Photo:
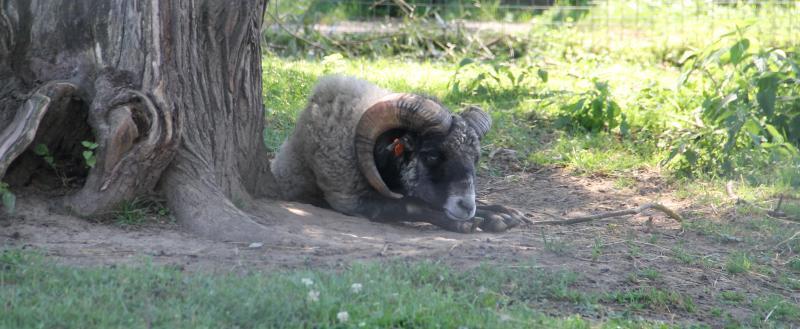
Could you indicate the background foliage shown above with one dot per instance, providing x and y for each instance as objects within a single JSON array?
[{"x": 699, "y": 88}]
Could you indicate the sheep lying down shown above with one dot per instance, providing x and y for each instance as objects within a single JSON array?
[{"x": 369, "y": 152}]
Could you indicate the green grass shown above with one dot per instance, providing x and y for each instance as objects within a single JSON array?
[
  {"x": 680, "y": 254},
  {"x": 794, "y": 264},
  {"x": 649, "y": 273},
  {"x": 37, "y": 293},
  {"x": 530, "y": 115},
  {"x": 653, "y": 298},
  {"x": 519, "y": 119},
  {"x": 138, "y": 212},
  {"x": 777, "y": 308},
  {"x": 738, "y": 263},
  {"x": 732, "y": 296},
  {"x": 532, "y": 111}
]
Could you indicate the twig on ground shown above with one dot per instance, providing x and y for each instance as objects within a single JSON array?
[
  {"x": 770, "y": 313},
  {"x": 774, "y": 213},
  {"x": 796, "y": 234},
  {"x": 569, "y": 221},
  {"x": 732, "y": 194},
  {"x": 384, "y": 250},
  {"x": 777, "y": 212},
  {"x": 737, "y": 200}
]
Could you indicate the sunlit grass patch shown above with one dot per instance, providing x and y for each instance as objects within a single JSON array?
[
  {"x": 653, "y": 298},
  {"x": 774, "y": 309},
  {"x": 38, "y": 293},
  {"x": 596, "y": 153},
  {"x": 732, "y": 296},
  {"x": 738, "y": 263}
]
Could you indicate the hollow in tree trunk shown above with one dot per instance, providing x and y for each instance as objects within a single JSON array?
[{"x": 169, "y": 91}]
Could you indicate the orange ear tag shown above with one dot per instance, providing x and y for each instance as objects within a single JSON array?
[{"x": 398, "y": 147}]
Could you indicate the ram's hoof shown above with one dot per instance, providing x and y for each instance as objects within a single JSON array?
[
  {"x": 500, "y": 218},
  {"x": 476, "y": 223}
]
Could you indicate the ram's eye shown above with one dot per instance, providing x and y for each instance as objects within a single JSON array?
[{"x": 430, "y": 158}]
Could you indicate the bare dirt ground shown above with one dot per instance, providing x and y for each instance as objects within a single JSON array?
[{"x": 606, "y": 253}]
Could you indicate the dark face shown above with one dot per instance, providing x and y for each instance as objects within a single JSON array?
[{"x": 439, "y": 170}]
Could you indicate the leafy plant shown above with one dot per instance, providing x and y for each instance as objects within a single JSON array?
[
  {"x": 750, "y": 114},
  {"x": 8, "y": 198},
  {"x": 493, "y": 79},
  {"x": 139, "y": 211},
  {"x": 42, "y": 151},
  {"x": 595, "y": 110},
  {"x": 88, "y": 154},
  {"x": 738, "y": 262}
]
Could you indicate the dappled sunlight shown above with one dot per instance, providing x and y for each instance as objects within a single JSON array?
[
  {"x": 298, "y": 212},
  {"x": 361, "y": 237}
]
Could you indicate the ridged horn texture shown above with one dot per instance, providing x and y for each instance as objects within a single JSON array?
[
  {"x": 479, "y": 120},
  {"x": 396, "y": 111}
]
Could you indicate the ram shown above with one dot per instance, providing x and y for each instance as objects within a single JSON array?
[{"x": 368, "y": 152}]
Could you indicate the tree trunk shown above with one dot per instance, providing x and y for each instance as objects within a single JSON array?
[{"x": 170, "y": 91}]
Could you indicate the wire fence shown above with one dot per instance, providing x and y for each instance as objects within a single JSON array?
[{"x": 609, "y": 21}]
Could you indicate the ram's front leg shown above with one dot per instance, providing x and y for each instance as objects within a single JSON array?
[
  {"x": 497, "y": 218},
  {"x": 394, "y": 210}
]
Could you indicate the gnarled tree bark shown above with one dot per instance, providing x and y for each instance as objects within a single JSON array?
[{"x": 169, "y": 90}]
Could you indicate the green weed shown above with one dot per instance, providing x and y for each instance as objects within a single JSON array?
[
  {"x": 653, "y": 298},
  {"x": 555, "y": 245},
  {"x": 738, "y": 262},
  {"x": 680, "y": 254},
  {"x": 750, "y": 108},
  {"x": 139, "y": 211},
  {"x": 732, "y": 296},
  {"x": 597, "y": 249},
  {"x": 595, "y": 110},
  {"x": 794, "y": 264},
  {"x": 9, "y": 200},
  {"x": 778, "y": 309},
  {"x": 89, "y": 153},
  {"x": 44, "y": 152},
  {"x": 649, "y": 273}
]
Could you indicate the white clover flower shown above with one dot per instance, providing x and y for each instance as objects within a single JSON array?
[
  {"x": 307, "y": 282},
  {"x": 482, "y": 290},
  {"x": 313, "y": 296},
  {"x": 343, "y": 316},
  {"x": 356, "y": 288},
  {"x": 362, "y": 323}
]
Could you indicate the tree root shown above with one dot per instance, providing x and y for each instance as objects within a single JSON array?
[
  {"x": 569, "y": 221},
  {"x": 202, "y": 208},
  {"x": 136, "y": 136}
]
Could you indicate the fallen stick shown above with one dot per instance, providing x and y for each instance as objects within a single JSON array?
[
  {"x": 569, "y": 221},
  {"x": 736, "y": 199},
  {"x": 774, "y": 213},
  {"x": 787, "y": 240}
]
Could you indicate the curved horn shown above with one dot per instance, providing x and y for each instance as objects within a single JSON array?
[
  {"x": 412, "y": 112},
  {"x": 479, "y": 120}
]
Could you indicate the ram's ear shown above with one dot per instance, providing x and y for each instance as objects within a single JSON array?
[{"x": 479, "y": 120}]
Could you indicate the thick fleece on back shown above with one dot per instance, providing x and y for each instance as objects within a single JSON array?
[{"x": 319, "y": 158}]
